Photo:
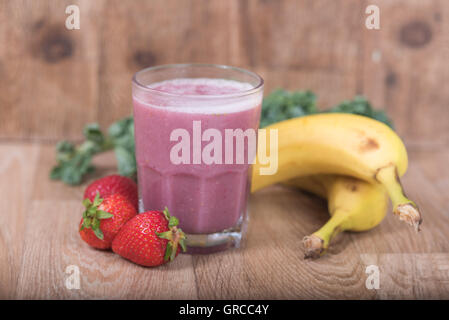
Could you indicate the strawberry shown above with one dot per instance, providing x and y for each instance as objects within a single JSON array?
[
  {"x": 113, "y": 184},
  {"x": 150, "y": 239},
  {"x": 103, "y": 219}
]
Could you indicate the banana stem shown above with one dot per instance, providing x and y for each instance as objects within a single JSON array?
[
  {"x": 316, "y": 244},
  {"x": 403, "y": 207}
]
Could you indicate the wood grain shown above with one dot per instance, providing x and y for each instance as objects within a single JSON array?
[
  {"x": 17, "y": 167},
  {"x": 49, "y": 79},
  {"x": 39, "y": 240},
  {"x": 401, "y": 69},
  {"x": 53, "y": 81}
]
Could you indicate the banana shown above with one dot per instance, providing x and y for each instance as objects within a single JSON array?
[
  {"x": 354, "y": 205},
  {"x": 343, "y": 144}
]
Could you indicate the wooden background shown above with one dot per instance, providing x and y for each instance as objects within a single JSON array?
[{"x": 53, "y": 81}]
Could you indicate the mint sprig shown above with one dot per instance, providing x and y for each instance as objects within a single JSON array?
[{"x": 75, "y": 161}]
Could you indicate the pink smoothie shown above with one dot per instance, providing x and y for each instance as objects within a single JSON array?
[{"x": 205, "y": 198}]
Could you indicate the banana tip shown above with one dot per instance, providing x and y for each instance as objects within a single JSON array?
[
  {"x": 313, "y": 246},
  {"x": 410, "y": 214}
]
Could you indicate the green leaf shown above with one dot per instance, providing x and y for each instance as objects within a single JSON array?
[
  {"x": 381, "y": 116},
  {"x": 173, "y": 252},
  {"x": 95, "y": 224},
  {"x": 55, "y": 173},
  {"x": 361, "y": 106},
  {"x": 282, "y": 105},
  {"x": 97, "y": 200},
  {"x": 182, "y": 242},
  {"x": 168, "y": 251},
  {"x": 166, "y": 213},
  {"x": 126, "y": 161},
  {"x": 121, "y": 128},
  {"x": 64, "y": 150},
  {"x": 168, "y": 235},
  {"x": 173, "y": 221},
  {"x": 93, "y": 133},
  {"x": 65, "y": 147},
  {"x": 98, "y": 233},
  {"x": 87, "y": 203},
  {"x": 73, "y": 169},
  {"x": 87, "y": 222},
  {"x": 103, "y": 214}
]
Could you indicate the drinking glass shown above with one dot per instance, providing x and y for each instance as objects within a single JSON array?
[{"x": 195, "y": 134}]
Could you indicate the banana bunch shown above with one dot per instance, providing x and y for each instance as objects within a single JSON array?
[
  {"x": 352, "y": 161},
  {"x": 354, "y": 205}
]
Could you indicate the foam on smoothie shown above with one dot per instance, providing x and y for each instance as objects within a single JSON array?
[{"x": 196, "y": 92}]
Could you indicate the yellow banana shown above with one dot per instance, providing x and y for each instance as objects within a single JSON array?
[
  {"x": 344, "y": 144},
  {"x": 354, "y": 205}
]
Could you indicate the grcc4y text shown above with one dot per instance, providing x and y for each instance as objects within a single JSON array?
[{"x": 227, "y": 309}]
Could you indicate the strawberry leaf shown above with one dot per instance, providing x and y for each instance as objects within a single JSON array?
[
  {"x": 173, "y": 222},
  {"x": 166, "y": 214},
  {"x": 173, "y": 251},
  {"x": 87, "y": 202},
  {"x": 97, "y": 200},
  {"x": 183, "y": 245},
  {"x": 98, "y": 233},
  {"x": 182, "y": 240},
  {"x": 168, "y": 235},
  {"x": 95, "y": 224},
  {"x": 103, "y": 214},
  {"x": 87, "y": 222},
  {"x": 168, "y": 251}
]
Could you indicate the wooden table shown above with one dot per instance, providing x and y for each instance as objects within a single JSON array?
[{"x": 39, "y": 240}]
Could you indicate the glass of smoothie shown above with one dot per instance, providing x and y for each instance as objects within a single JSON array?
[{"x": 195, "y": 133}]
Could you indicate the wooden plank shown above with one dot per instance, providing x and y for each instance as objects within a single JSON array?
[
  {"x": 433, "y": 165},
  {"x": 137, "y": 35},
  {"x": 318, "y": 34},
  {"x": 411, "y": 276},
  {"x": 17, "y": 168},
  {"x": 40, "y": 240},
  {"x": 101, "y": 272},
  {"x": 65, "y": 79},
  {"x": 405, "y": 66},
  {"x": 49, "y": 75},
  {"x": 271, "y": 266},
  {"x": 393, "y": 236},
  {"x": 331, "y": 87},
  {"x": 52, "y": 243}
]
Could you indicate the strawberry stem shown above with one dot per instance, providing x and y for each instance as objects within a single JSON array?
[
  {"x": 174, "y": 236},
  {"x": 92, "y": 216}
]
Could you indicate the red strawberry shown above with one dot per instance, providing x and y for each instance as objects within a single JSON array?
[
  {"x": 150, "y": 239},
  {"x": 113, "y": 184},
  {"x": 103, "y": 219}
]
